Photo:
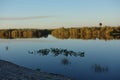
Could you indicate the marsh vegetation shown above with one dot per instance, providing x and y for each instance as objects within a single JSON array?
[{"x": 57, "y": 52}]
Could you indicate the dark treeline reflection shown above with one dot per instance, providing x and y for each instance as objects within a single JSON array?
[
  {"x": 99, "y": 68},
  {"x": 57, "y": 52},
  {"x": 24, "y": 33},
  {"x": 106, "y": 33}
]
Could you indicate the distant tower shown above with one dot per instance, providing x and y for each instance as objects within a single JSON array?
[{"x": 100, "y": 24}]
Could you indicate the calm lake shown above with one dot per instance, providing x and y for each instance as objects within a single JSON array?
[{"x": 100, "y": 61}]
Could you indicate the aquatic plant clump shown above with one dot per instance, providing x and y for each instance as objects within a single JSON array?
[{"x": 57, "y": 51}]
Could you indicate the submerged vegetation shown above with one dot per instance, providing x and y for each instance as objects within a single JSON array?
[
  {"x": 65, "y": 61},
  {"x": 57, "y": 52},
  {"x": 99, "y": 68},
  {"x": 106, "y": 33}
]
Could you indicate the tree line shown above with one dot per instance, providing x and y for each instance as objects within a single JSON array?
[
  {"x": 24, "y": 33},
  {"x": 105, "y": 32}
]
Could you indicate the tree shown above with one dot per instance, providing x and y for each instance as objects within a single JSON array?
[{"x": 100, "y": 24}]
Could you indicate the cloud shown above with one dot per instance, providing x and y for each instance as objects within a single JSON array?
[{"x": 24, "y": 18}]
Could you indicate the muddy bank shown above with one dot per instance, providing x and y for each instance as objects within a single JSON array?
[{"x": 11, "y": 71}]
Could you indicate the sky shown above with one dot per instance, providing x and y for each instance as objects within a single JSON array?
[{"x": 58, "y": 13}]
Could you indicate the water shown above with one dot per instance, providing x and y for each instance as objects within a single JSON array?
[{"x": 100, "y": 61}]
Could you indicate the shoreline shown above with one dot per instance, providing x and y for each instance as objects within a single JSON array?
[{"x": 11, "y": 71}]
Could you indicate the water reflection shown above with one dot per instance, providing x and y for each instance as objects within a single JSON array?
[
  {"x": 98, "y": 68},
  {"x": 57, "y": 52},
  {"x": 65, "y": 61},
  {"x": 6, "y": 48}
]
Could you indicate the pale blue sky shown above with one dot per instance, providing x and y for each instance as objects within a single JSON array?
[{"x": 58, "y": 13}]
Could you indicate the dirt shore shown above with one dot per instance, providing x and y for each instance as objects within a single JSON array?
[{"x": 11, "y": 71}]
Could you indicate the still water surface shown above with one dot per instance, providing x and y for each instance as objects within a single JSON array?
[{"x": 101, "y": 60}]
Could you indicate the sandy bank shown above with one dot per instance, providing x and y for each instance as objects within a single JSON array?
[{"x": 11, "y": 71}]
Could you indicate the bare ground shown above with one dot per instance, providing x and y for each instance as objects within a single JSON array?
[{"x": 11, "y": 71}]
